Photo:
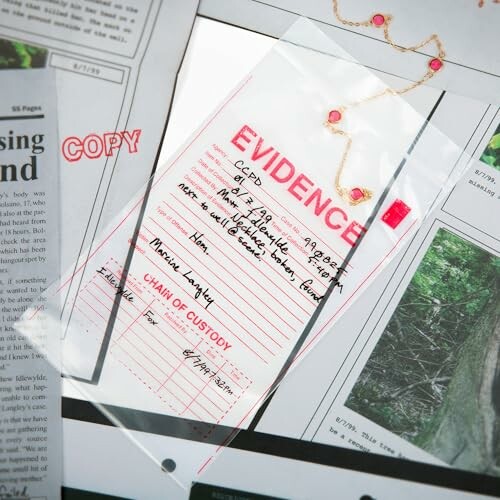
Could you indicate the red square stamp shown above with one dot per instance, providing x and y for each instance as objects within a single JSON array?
[{"x": 396, "y": 213}]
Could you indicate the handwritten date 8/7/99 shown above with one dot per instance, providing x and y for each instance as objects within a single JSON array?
[{"x": 202, "y": 366}]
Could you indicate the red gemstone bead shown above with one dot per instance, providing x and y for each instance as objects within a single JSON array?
[
  {"x": 435, "y": 64},
  {"x": 356, "y": 194},
  {"x": 378, "y": 20},
  {"x": 334, "y": 116}
]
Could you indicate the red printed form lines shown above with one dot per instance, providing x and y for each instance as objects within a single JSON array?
[
  {"x": 263, "y": 286},
  {"x": 291, "y": 256},
  {"x": 200, "y": 306},
  {"x": 283, "y": 318},
  {"x": 98, "y": 301},
  {"x": 306, "y": 228},
  {"x": 178, "y": 381},
  {"x": 221, "y": 309},
  {"x": 263, "y": 219},
  {"x": 288, "y": 312},
  {"x": 154, "y": 353},
  {"x": 218, "y": 320},
  {"x": 224, "y": 283},
  {"x": 296, "y": 220}
]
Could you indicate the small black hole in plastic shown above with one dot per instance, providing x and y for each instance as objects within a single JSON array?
[
  {"x": 168, "y": 465},
  {"x": 366, "y": 497}
]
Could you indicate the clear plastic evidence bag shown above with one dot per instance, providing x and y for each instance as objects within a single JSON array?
[{"x": 245, "y": 247}]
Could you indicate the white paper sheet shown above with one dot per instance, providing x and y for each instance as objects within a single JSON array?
[
  {"x": 107, "y": 59},
  {"x": 30, "y": 388}
]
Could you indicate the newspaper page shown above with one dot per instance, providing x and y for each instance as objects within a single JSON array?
[
  {"x": 116, "y": 64},
  {"x": 30, "y": 389}
]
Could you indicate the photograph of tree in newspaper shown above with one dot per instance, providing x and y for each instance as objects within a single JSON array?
[
  {"x": 491, "y": 154},
  {"x": 18, "y": 55},
  {"x": 434, "y": 376}
]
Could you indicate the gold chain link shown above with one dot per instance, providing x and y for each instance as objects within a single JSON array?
[{"x": 343, "y": 192}]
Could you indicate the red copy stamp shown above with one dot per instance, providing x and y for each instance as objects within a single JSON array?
[{"x": 94, "y": 146}]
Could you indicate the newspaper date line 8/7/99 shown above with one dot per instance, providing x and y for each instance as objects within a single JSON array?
[{"x": 206, "y": 370}]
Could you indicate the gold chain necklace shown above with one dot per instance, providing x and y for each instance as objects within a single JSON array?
[{"x": 356, "y": 195}]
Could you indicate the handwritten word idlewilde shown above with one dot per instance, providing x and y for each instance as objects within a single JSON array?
[
  {"x": 115, "y": 282},
  {"x": 298, "y": 184},
  {"x": 94, "y": 146}
]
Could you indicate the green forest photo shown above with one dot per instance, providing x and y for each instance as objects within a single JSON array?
[
  {"x": 18, "y": 55},
  {"x": 434, "y": 376},
  {"x": 491, "y": 154}
]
